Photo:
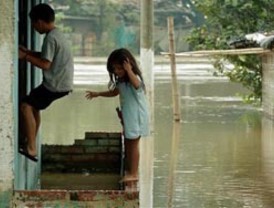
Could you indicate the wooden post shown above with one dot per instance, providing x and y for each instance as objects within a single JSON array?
[{"x": 175, "y": 92}]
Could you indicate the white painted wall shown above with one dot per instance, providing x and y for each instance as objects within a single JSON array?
[
  {"x": 7, "y": 135},
  {"x": 147, "y": 144},
  {"x": 147, "y": 64},
  {"x": 268, "y": 85}
]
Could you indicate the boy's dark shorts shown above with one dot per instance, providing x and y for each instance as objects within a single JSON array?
[{"x": 40, "y": 98}]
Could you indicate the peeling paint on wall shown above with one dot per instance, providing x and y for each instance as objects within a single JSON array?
[{"x": 6, "y": 95}]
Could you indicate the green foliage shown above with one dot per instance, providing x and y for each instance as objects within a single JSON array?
[
  {"x": 116, "y": 24},
  {"x": 227, "y": 19},
  {"x": 247, "y": 70},
  {"x": 183, "y": 12},
  {"x": 58, "y": 20},
  {"x": 108, "y": 19}
]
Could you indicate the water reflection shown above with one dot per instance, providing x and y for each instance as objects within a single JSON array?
[
  {"x": 173, "y": 162},
  {"x": 220, "y": 158},
  {"x": 268, "y": 159}
]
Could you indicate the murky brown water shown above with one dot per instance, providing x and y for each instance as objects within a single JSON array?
[
  {"x": 220, "y": 155},
  {"x": 223, "y": 154}
]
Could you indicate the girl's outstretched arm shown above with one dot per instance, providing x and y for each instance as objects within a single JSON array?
[
  {"x": 93, "y": 94},
  {"x": 132, "y": 77}
]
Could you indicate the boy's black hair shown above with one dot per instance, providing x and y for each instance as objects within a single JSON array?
[{"x": 42, "y": 12}]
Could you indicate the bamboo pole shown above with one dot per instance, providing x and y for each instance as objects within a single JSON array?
[
  {"x": 175, "y": 92},
  {"x": 222, "y": 52}
]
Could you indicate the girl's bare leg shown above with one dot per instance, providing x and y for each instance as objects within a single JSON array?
[{"x": 132, "y": 158}]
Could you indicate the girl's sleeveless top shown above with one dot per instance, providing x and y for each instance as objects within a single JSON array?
[{"x": 134, "y": 108}]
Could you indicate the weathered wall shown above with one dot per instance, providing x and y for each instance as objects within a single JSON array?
[
  {"x": 268, "y": 85},
  {"x": 6, "y": 100}
]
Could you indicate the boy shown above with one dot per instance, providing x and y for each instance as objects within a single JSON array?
[{"x": 56, "y": 62}]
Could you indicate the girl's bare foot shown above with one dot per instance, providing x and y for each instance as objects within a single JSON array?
[{"x": 129, "y": 178}]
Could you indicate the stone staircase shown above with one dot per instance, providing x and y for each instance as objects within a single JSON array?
[
  {"x": 85, "y": 174},
  {"x": 99, "y": 152}
]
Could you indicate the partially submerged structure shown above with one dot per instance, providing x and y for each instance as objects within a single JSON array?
[
  {"x": 84, "y": 174},
  {"x": 20, "y": 178}
]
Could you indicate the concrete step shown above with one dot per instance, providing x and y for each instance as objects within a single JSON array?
[
  {"x": 97, "y": 152},
  {"x": 103, "y": 135},
  {"x": 80, "y": 181},
  {"x": 77, "y": 163},
  {"x": 76, "y": 198}
]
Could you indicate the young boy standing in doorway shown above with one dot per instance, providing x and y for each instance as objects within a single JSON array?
[{"x": 56, "y": 62}]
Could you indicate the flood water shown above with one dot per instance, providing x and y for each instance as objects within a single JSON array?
[{"x": 221, "y": 154}]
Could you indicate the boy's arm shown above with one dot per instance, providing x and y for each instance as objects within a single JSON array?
[
  {"x": 33, "y": 53},
  {"x": 34, "y": 58}
]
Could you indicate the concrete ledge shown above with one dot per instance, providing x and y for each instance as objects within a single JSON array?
[
  {"x": 102, "y": 135},
  {"x": 64, "y": 198},
  {"x": 41, "y": 195}
]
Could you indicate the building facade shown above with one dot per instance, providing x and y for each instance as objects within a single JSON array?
[{"x": 16, "y": 79}]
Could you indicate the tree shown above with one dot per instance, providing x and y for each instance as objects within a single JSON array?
[
  {"x": 106, "y": 16},
  {"x": 227, "y": 19},
  {"x": 183, "y": 11}
]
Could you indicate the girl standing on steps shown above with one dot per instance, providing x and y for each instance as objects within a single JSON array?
[{"x": 126, "y": 80}]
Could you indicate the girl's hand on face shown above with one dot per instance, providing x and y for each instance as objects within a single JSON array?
[
  {"x": 91, "y": 94},
  {"x": 127, "y": 66}
]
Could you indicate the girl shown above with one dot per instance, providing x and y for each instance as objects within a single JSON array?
[{"x": 126, "y": 80}]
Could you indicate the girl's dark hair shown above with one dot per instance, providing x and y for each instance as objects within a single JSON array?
[
  {"x": 119, "y": 56},
  {"x": 42, "y": 12}
]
